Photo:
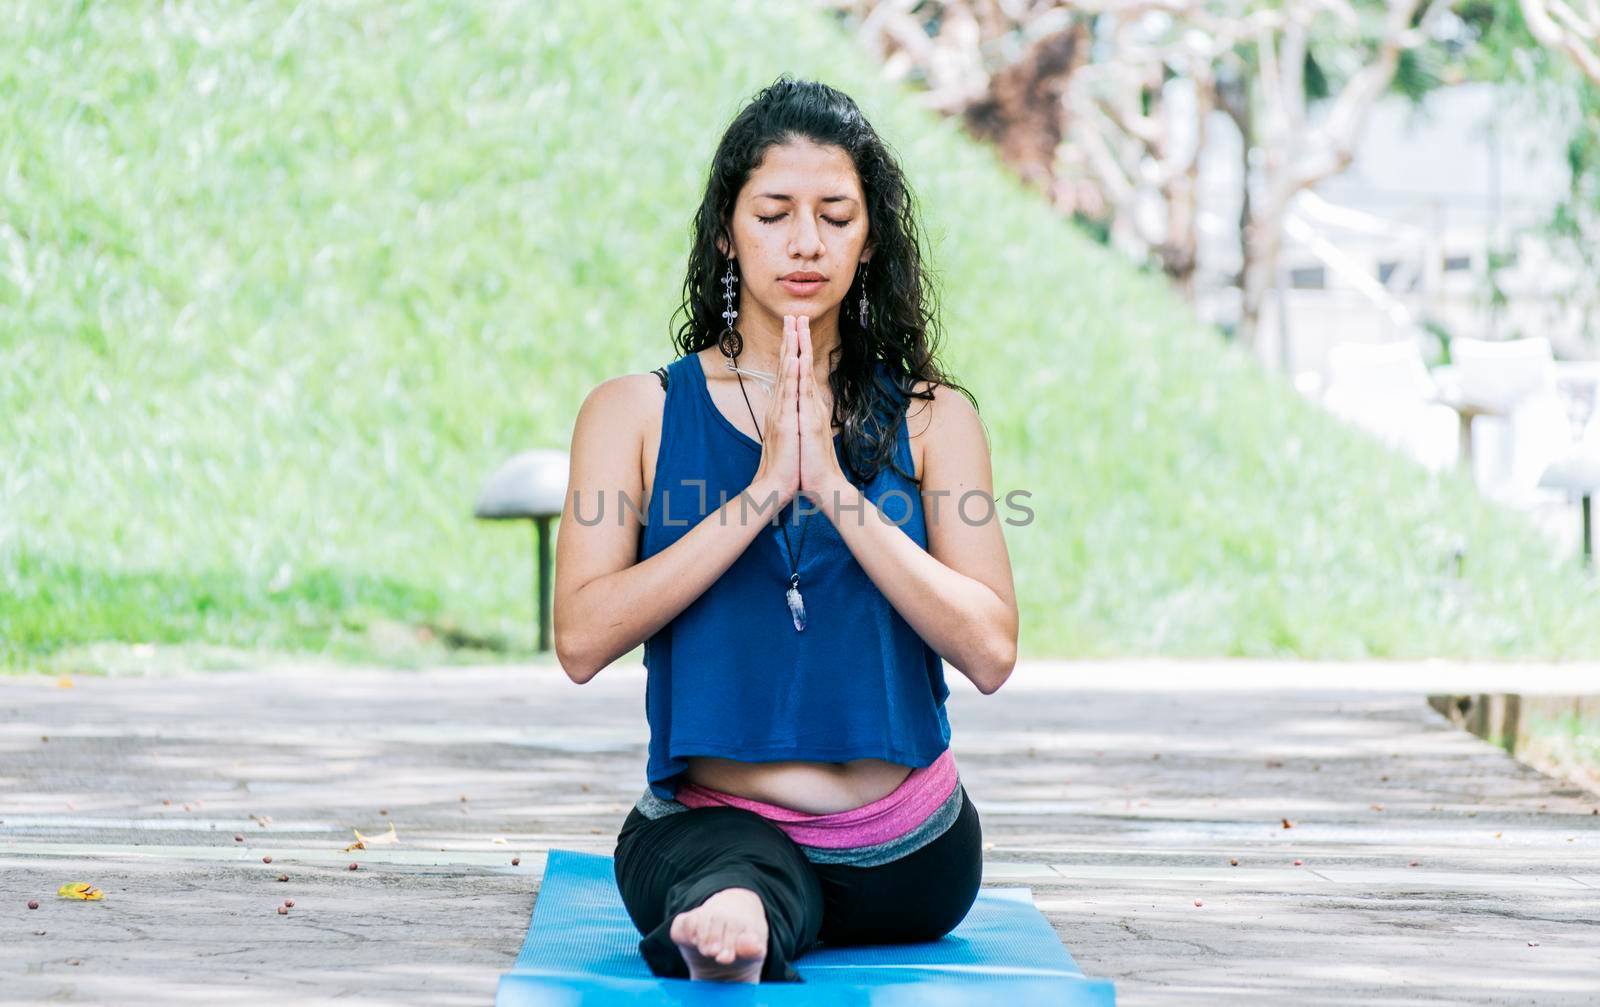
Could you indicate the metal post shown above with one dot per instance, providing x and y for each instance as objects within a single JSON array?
[
  {"x": 541, "y": 529},
  {"x": 1588, "y": 540}
]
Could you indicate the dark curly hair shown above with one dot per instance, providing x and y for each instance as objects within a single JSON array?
[{"x": 904, "y": 327}]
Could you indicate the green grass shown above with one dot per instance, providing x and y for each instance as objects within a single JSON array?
[{"x": 281, "y": 283}]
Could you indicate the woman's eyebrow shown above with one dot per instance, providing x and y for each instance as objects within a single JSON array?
[{"x": 825, "y": 199}]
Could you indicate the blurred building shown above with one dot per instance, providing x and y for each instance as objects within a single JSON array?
[
  {"x": 1398, "y": 249},
  {"x": 1431, "y": 193}
]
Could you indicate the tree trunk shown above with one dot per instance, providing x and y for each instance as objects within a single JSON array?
[{"x": 1022, "y": 115}]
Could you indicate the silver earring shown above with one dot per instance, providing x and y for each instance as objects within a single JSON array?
[
  {"x": 861, "y": 312},
  {"x": 731, "y": 343}
]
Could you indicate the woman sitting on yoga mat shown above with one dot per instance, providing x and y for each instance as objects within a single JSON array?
[{"x": 795, "y": 600}]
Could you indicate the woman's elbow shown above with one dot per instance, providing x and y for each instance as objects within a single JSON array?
[
  {"x": 998, "y": 667},
  {"x": 572, "y": 663},
  {"x": 573, "y": 653}
]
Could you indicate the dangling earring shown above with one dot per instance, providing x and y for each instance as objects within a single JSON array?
[
  {"x": 731, "y": 343},
  {"x": 861, "y": 312}
]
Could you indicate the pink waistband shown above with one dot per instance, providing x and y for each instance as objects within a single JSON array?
[{"x": 889, "y": 817}]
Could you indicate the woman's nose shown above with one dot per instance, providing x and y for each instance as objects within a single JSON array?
[{"x": 807, "y": 239}]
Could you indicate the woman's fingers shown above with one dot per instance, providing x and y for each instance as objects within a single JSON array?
[
  {"x": 808, "y": 382},
  {"x": 808, "y": 376},
  {"x": 786, "y": 351},
  {"x": 780, "y": 389},
  {"x": 791, "y": 340}
]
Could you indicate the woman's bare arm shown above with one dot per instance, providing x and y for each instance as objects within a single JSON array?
[
  {"x": 958, "y": 594},
  {"x": 606, "y": 603}
]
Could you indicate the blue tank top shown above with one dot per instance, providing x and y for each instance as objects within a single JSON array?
[{"x": 730, "y": 676}]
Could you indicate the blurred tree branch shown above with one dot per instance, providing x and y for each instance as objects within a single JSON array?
[
  {"x": 1105, "y": 105},
  {"x": 1557, "y": 26}
]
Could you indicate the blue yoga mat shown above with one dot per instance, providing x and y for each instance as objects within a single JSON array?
[{"x": 582, "y": 949}]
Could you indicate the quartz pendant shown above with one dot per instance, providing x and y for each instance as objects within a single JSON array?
[{"x": 797, "y": 607}]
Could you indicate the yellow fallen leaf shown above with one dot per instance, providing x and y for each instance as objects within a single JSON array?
[
  {"x": 362, "y": 842},
  {"x": 79, "y": 890},
  {"x": 64, "y": 682},
  {"x": 500, "y": 841}
]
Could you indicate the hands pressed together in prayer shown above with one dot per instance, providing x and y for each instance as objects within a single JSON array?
[{"x": 797, "y": 450}]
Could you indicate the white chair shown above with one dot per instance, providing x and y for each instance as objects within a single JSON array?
[
  {"x": 1516, "y": 377},
  {"x": 1385, "y": 389}
]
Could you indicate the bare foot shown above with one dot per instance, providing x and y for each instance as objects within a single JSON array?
[{"x": 725, "y": 937}]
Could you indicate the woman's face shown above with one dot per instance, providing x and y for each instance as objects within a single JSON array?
[{"x": 800, "y": 212}]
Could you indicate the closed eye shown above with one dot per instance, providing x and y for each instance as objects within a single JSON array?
[{"x": 835, "y": 223}]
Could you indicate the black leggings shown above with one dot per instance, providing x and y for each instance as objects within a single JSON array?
[{"x": 668, "y": 865}]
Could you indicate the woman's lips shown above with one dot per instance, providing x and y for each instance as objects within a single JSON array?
[{"x": 803, "y": 288}]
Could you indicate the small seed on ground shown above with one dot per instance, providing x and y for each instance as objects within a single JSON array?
[
  {"x": 267, "y": 859},
  {"x": 33, "y": 903},
  {"x": 289, "y": 903},
  {"x": 1299, "y": 863},
  {"x": 238, "y": 838},
  {"x": 354, "y": 866},
  {"x": 1233, "y": 861},
  {"x": 283, "y": 910},
  {"x": 515, "y": 861},
  {"x": 283, "y": 877}
]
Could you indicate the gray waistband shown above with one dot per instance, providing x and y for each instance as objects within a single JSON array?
[{"x": 926, "y": 831}]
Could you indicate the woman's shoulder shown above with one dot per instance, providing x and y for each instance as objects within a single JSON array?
[
  {"x": 935, "y": 403},
  {"x": 625, "y": 391},
  {"x": 624, "y": 403},
  {"x": 943, "y": 423}
]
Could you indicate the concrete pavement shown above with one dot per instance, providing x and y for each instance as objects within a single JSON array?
[{"x": 1434, "y": 869}]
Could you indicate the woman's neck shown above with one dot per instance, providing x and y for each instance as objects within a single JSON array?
[{"x": 763, "y": 341}]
